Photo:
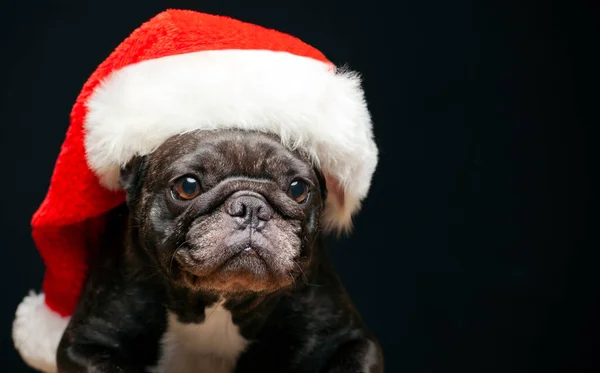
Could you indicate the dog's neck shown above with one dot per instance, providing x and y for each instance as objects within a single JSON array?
[{"x": 248, "y": 311}]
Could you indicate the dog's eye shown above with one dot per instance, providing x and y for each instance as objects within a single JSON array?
[
  {"x": 186, "y": 188},
  {"x": 298, "y": 191}
]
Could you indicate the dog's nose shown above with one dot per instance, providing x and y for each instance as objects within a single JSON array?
[{"x": 250, "y": 211}]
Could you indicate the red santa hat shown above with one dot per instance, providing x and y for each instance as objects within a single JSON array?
[{"x": 183, "y": 71}]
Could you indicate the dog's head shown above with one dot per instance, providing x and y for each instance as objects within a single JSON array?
[{"x": 225, "y": 211}]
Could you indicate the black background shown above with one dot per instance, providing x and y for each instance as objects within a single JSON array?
[{"x": 474, "y": 249}]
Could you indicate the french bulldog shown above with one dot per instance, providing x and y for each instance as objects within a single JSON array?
[{"x": 216, "y": 264}]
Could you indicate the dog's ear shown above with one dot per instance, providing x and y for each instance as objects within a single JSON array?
[{"x": 132, "y": 174}]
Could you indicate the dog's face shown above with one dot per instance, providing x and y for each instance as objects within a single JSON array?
[{"x": 226, "y": 211}]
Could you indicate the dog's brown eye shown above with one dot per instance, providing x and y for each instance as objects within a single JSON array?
[
  {"x": 186, "y": 188},
  {"x": 298, "y": 191}
]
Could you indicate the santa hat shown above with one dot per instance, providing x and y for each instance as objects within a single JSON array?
[{"x": 183, "y": 71}]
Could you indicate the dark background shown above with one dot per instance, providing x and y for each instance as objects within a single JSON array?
[{"x": 474, "y": 249}]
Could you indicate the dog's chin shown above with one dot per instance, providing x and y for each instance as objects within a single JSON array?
[{"x": 245, "y": 269}]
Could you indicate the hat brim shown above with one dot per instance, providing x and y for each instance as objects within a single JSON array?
[{"x": 307, "y": 103}]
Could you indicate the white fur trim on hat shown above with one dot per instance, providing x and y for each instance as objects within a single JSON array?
[
  {"x": 37, "y": 330},
  {"x": 302, "y": 100}
]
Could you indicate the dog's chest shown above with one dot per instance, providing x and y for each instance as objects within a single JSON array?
[{"x": 210, "y": 347}]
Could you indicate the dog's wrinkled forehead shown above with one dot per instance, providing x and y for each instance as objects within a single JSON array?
[{"x": 220, "y": 154}]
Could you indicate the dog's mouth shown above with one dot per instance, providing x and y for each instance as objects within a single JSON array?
[
  {"x": 247, "y": 257},
  {"x": 248, "y": 252},
  {"x": 239, "y": 265}
]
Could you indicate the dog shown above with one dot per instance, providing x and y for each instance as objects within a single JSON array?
[{"x": 216, "y": 264}]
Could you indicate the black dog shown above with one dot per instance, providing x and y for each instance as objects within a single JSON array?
[{"x": 221, "y": 268}]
